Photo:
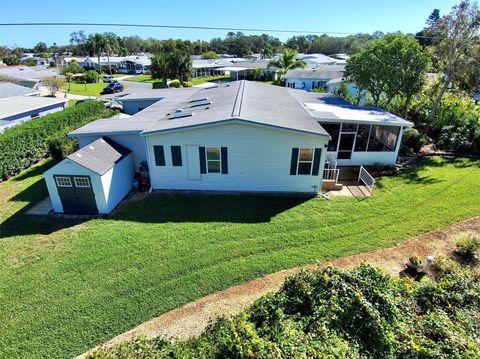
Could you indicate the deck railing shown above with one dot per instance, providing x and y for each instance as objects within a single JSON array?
[
  {"x": 331, "y": 174},
  {"x": 366, "y": 178}
]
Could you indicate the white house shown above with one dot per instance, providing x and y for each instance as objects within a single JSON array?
[
  {"x": 309, "y": 79},
  {"x": 242, "y": 136}
]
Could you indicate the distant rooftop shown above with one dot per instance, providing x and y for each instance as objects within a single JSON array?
[
  {"x": 27, "y": 72},
  {"x": 321, "y": 72},
  {"x": 20, "y": 104},
  {"x": 8, "y": 89}
]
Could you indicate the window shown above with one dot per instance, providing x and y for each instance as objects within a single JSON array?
[
  {"x": 333, "y": 130},
  {"x": 213, "y": 160},
  {"x": 63, "y": 181},
  {"x": 383, "y": 138},
  {"x": 349, "y": 127},
  {"x": 81, "y": 182},
  {"x": 159, "y": 155},
  {"x": 362, "y": 137},
  {"x": 305, "y": 161},
  {"x": 176, "y": 155}
]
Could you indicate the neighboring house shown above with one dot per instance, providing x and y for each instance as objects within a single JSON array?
[
  {"x": 239, "y": 71},
  {"x": 38, "y": 60},
  {"x": 309, "y": 79},
  {"x": 318, "y": 59},
  {"x": 8, "y": 89},
  {"x": 134, "y": 65},
  {"x": 242, "y": 136},
  {"x": 16, "y": 110},
  {"x": 212, "y": 67},
  {"x": 27, "y": 75},
  {"x": 334, "y": 85}
]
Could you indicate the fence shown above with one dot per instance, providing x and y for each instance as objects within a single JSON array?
[{"x": 366, "y": 178}]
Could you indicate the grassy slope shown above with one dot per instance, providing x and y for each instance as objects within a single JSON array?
[
  {"x": 140, "y": 78},
  {"x": 64, "y": 290},
  {"x": 201, "y": 80}
]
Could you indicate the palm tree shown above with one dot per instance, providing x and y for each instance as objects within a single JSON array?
[
  {"x": 111, "y": 45},
  {"x": 288, "y": 61},
  {"x": 160, "y": 67},
  {"x": 267, "y": 51},
  {"x": 96, "y": 43}
]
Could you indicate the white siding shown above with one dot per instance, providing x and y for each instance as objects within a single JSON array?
[
  {"x": 117, "y": 183},
  {"x": 369, "y": 158},
  {"x": 134, "y": 143},
  {"x": 70, "y": 168},
  {"x": 258, "y": 159}
]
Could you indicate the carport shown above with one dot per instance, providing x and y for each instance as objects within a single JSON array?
[{"x": 92, "y": 180}]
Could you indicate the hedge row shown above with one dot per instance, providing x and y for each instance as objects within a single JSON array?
[{"x": 26, "y": 144}]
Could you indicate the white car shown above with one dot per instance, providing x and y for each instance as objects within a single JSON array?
[{"x": 108, "y": 78}]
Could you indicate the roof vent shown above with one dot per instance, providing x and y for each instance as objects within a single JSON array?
[
  {"x": 181, "y": 115},
  {"x": 199, "y": 100},
  {"x": 201, "y": 103},
  {"x": 91, "y": 147},
  {"x": 179, "y": 110}
]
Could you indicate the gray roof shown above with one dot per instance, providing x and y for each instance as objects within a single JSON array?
[
  {"x": 100, "y": 156},
  {"x": 8, "y": 89},
  {"x": 13, "y": 106},
  {"x": 245, "y": 101},
  {"x": 27, "y": 72},
  {"x": 324, "y": 72}
]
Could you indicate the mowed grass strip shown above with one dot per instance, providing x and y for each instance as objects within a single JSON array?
[{"x": 68, "y": 286}]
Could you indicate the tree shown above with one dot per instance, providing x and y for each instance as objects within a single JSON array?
[
  {"x": 96, "y": 43},
  {"x": 288, "y": 61},
  {"x": 456, "y": 48},
  {"x": 395, "y": 64},
  {"x": 53, "y": 84},
  {"x": 210, "y": 55},
  {"x": 267, "y": 51},
  {"x": 73, "y": 68},
  {"x": 11, "y": 60},
  {"x": 133, "y": 44},
  {"x": 91, "y": 76},
  {"x": 110, "y": 45},
  {"x": 176, "y": 64},
  {"x": 80, "y": 41},
  {"x": 40, "y": 47}
]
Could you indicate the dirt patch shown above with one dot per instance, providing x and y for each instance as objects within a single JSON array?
[{"x": 191, "y": 319}]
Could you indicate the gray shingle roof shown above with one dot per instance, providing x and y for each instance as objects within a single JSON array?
[
  {"x": 324, "y": 72},
  {"x": 8, "y": 89},
  {"x": 14, "y": 106},
  {"x": 100, "y": 156},
  {"x": 241, "y": 100}
]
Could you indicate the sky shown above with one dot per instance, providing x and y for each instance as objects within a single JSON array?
[{"x": 347, "y": 16}]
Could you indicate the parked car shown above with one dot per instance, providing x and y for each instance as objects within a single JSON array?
[
  {"x": 108, "y": 78},
  {"x": 113, "y": 87}
]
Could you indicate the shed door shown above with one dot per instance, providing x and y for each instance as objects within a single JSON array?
[
  {"x": 193, "y": 163},
  {"x": 76, "y": 194}
]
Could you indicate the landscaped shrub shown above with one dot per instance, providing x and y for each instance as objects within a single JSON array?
[
  {"x": 187, "y": 84},
  {"x": 175, "y": 84},
  {"x": 333, "y": 313},
  {"x": 158, "y": 85},
  {"x": 413, "y": 141},
  {"x": 468, "y": 247},
  {"x": 23, "y": 145},
  {"x": 91, "y": 76}
]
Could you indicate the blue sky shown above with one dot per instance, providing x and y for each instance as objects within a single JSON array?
[{"x": 321, "y": 15}]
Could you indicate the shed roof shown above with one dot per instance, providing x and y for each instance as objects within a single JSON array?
[
  {"x": 13, "y": 106},
  {"x": 8, "y": 89},
  {"x": 100, "y": 156}
]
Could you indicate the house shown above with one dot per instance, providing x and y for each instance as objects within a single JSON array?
[
  {"x": 241, "y": 136},
  {"x": 134, "y": 65},
  {"x": 239, "y": 71},
  {"x": 318, "y": 59},
  {"x": 28, "y": 76},
  {"x": 36, "y": 59},
  {"x": 309, "y": 79},
  {"x": 19, "y": 109},
  {"x": 8, "y": 89},
  {"x": 335, "y": 85}
]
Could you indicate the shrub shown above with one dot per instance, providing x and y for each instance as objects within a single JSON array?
[
  {"x": 53, "y": 84},
  {"x": 158, "y": 85},
  {"x": 468, "y": 247},
  {"x": 61, "y": 147},
  {"x": 30, "y": 62},
  {"x": 187, "y": 84},
  {"x": 413, "y": 141},
  {"x": 91, "y": 76},
  {"x": 23, "y": 145},
  {"x": 175, "y": 84}
]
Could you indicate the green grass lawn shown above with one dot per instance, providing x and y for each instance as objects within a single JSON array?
[
  {"x": 140, "y": 78},
  {"x": 201, "y": 80},
  {"x": 79, "y": 89},
  {"x": 66, "y": 286}
]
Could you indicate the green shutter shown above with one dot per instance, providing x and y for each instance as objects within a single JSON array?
[
  {"x": 316, "y": 161},
  {"x": 176, "y": 155},
  {"x": 203, "y": 162},
  {"x": 224, "y": 160},
  {"x": 159, "y": 155},
  {"x": 293, "y": 163}
]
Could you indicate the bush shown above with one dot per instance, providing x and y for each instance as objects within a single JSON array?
[
  {"x": 26, "y": 144},
  {"x": 413, "y": 141},
  {"x": 175, "y": 84},
  {"x": 158, "y": 85},
  {"x": 468, "y": 247},
  {"x": 187, "y": 84},
  {"x": 91, "y": 76},
  {"x": 61, "y": 147},
  {"x": 331, "y": 313},
  {"x": 30, "y": 62}
]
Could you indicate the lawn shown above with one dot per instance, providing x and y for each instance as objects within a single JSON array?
[
  {"x": 140, "y": 78},
  {"x": 79, "y": 89},
  {"x": 66, "y": 286}
]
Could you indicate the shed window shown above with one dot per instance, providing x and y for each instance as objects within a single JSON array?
[
  {"x": 305, "y": 161},
  {"x": 214, "y": 163},
  {"x": 82, "y": 182},
  {"x": 63, "y": 181},
  {"x": 159, "y": 155},
  {"x": 176, "y": 156}
]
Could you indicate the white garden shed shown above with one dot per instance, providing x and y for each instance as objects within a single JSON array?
[{"x": 92, "y": 180}]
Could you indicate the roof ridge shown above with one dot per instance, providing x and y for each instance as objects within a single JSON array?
[{"x": 237, "y": 106}]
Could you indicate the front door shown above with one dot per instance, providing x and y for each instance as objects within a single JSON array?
[
  {"x": 193, "y": 163},
  {"x": 345, "y": 147},
  {"x": 76, "y": 194}
]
